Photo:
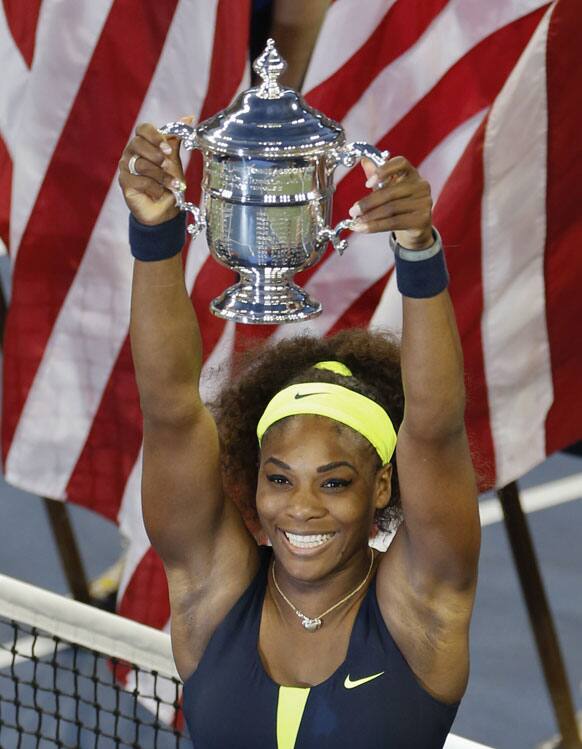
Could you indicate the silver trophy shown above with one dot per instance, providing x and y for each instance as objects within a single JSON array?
[{"x": 267, "y": 191}]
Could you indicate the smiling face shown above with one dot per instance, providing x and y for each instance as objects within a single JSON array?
[{"x": 318, "y": 489}]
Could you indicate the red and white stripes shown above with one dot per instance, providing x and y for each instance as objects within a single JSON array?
[
  {"x": 470, "y": 91},
  {"x": 514, "y": 331}
]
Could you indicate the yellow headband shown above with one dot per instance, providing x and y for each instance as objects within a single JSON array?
[
  {"x": 336, "y": 402},
  {"x": 334, "y": 366}
]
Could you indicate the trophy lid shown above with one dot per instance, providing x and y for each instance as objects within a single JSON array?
[{"x": 269, "y": 121}]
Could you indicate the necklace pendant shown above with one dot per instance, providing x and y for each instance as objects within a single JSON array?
[{"x": 311, "y": 625}]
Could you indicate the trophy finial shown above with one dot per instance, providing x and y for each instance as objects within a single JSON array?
[{"x": 269, "y": 65}]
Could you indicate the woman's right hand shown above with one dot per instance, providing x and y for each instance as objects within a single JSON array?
[{"x": 148, "y": 195}]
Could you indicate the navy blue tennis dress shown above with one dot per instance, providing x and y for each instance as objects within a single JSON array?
[{"x": 372, "y": 701}]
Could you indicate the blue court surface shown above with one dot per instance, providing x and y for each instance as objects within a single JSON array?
[{"x": 506, "y": 705}]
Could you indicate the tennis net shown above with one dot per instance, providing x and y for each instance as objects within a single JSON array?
[{"x": 75, "y": 677}]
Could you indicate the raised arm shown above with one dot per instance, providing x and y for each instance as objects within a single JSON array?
[
  {"x": 295, "y": 27},
  {"x": 434, "y": 464},
  {"x": 207, "y": 552},
  {"x": 430, "y": 571}
]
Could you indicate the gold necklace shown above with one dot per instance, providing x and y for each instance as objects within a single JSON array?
[{"x": 312, "y": 625}]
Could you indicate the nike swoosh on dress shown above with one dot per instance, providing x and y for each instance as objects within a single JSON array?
[{"x": 349, "y": 684}]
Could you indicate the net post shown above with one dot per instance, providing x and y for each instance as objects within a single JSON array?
[
  {"x": 540, "y": 615},
  {"x": 68, "y": 549}
]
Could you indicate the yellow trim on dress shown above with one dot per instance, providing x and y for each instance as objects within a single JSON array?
[{"x": 290, "y": 707}]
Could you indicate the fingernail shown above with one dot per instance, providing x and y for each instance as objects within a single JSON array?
[
  {"x": 166, "y": 164},
  {"x": 178, "y": 185},
  {"x": 355, "y": 210},
  {"x": 166, "y": 148},
  {"x": 360, "y": 226},
  {"x": 372, "y": 182}
]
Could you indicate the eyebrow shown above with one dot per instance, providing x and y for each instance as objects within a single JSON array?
[
  {"x": 278, "y": 463},
  {"x": 320, "y": 469},
  {"x": 336, "y": 464}
]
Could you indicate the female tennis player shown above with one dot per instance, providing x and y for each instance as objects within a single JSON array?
[{"x": 317, "y": 640}]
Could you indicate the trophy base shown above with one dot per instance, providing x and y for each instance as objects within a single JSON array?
[{"x": 266, "y": 304}]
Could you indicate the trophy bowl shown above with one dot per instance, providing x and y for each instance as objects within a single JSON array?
[{"x": 267, "y": 190}]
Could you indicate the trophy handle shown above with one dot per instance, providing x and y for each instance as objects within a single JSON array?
[
  {"x": 327, "y": 234},
  {"x": 187, "y": 134},
  {"x": 348, "y": 155}
]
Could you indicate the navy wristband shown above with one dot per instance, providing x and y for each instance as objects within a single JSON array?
[
  {"x": 424, "y": 275},
  {"x": 149, "y": 243}
]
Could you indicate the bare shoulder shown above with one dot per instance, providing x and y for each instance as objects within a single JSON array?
[
  {"x": 429, "y": 624},
  {"x": 202, "y": 594}
]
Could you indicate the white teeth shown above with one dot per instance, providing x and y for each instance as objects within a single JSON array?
[{"x": 308, "y": 542}]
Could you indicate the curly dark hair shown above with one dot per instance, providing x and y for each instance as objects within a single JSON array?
[{"x": 260, "y": 372}]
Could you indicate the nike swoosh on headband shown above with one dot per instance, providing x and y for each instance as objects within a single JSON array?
[
  {"x": 349, "y": 684},
  {"x": 304, "y": 395}
]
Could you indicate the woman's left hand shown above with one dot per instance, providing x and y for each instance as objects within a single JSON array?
[{"x": 400, "y": 202}]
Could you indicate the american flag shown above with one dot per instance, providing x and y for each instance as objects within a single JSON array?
[{"x": 483, "y": 96}]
